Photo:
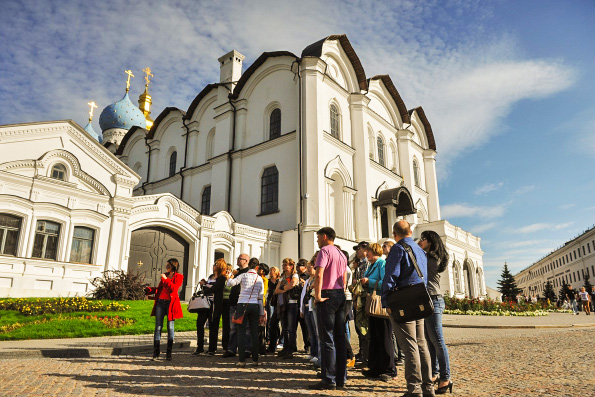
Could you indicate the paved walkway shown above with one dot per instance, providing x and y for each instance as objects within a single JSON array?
[{"x": 131, "y": 344}]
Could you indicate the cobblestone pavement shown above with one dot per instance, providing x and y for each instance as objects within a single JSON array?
[{"x": 484, "y": 362}]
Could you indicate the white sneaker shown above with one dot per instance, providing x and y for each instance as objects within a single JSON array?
[
  {"x": 314, "y": 360},
  {"x": 279, "y": 347}
]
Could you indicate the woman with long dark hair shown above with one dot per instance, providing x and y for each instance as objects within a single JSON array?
[
  {"x": 437, "y": 262},
  {"x": 273, "y": 320},
  {"x": 167, "y": 303},
  {"x": 288, "y": 307},
  {"x": 215, "y": 289}
]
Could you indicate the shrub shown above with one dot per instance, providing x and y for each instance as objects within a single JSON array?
[{"x": 118, "y": 285}]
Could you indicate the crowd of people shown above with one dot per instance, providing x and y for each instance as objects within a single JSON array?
[{"x": 261, "y": 309}]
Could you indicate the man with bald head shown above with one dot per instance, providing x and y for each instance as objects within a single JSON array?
[
  {"x": 400, "y": 272},
  {"x": 232, "y": 345}
]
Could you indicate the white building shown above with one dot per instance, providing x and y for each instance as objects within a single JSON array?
[
  {"x": 566, "y": 265},
  {"x": 289, "y": 146}
]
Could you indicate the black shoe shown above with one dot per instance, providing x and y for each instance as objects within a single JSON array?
[
  {"x": 323, "y": 386},
  {"x": 248, "y": 354},
  {"x": 443, "y": 389},
  {"x": 369, "y": 374},
  {"x": 198, "y": 352},
  {"x": 228, "y": 354},
  {"x": 288, "y": 356},
  {"x": 387, "y": 378},
  {"x": 341, "y": 387},
  {"x": 156, "y": 349},
  {"x": 281, "y": 353},
  {"x": 211, "y": 353},
  {"x": 170, "y": 345}
]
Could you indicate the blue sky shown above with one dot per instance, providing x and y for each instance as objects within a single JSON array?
[{"x": 506, "y": 85}]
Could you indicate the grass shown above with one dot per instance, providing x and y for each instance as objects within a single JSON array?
[{"x": 70, "y": 325}]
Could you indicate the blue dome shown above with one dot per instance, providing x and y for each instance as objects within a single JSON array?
[
  {"x": 91, "y": 131},
  {"x": 122, "y": 114}
]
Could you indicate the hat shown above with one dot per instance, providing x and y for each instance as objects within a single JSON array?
[{"x": 361, "y": 244}]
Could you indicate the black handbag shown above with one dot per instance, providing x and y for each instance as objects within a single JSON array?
[{"x": 411, "y": 302}]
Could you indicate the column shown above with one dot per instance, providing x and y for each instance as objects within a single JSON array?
[{"x": 431, "y": 185}]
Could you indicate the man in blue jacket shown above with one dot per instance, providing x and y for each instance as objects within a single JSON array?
[{"x": 399, "y": 272}]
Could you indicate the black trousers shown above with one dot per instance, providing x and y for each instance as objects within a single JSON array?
[
  {"x": 214, "y": 327},
  {"x": 302, "y": 322},
  {"x": 201, "y": 320},
  {"x": 273, "y": 329},
  {"x": 381, "y": 358},
  {"x": 225, "y": 324}
]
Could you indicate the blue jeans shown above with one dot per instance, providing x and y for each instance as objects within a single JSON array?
[
  {"x": 251, "y": 315},
  {"x": 438, "y": 350},
  {"x": 574, "y": 306},
  {"x": 161, "y": 308},
  {"x": 232, "y": 345},
  {"x": 312, "y": 332},
  {"x": 331, "y": 330}
]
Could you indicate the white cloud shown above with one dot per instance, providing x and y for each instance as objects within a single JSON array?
[
  {"x": 483, "y": 228},
  {"x": 463, "y": 210},
  {"x": 466, "y": 79},
  {"x": 487, "y": 188},
  {"x": 535, "y": 227},
  {"x": 524, "y": 189}
]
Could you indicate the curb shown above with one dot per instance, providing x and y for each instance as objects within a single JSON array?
[
  {"x": 517, "y": 326},
  {"x": 76, "y": 352}
]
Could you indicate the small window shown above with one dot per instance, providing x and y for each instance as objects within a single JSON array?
[
  {"x": 275, "y": 124},
  {"x": 416, "y": 173},
  {"x": 205, "y": 206},
  {"x": 59, "y": 172},
  {"x": 45, "y": 245},
  {"x": 335, "y": 125},
  {"x": 10, "y": 226},
  {"x": 269, "y": 192},
  {"x": 380, "y": 145},
  {"x": 82, "y": 245},
  {"x": 173, "y": 159}
]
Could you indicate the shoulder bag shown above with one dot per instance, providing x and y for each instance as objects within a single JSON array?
[
  {"x": 374, "y": 305},
  {"x": 410, "y": 302},
  {"x": 199, "y": 301}
]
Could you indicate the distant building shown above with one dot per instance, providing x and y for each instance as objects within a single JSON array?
[
  {"x": 257, "y": 164},
  {"x": 566, "y": 265}
]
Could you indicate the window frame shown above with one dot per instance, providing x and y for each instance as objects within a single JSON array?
[
  {"x": 173, "y": 161},
  {"x": 64, "y": 172},
  {"x": 46, "y": 236},
  {"x": 269, "y": 189},
  {"x": 335, "y": 134},
  {"x": 275, "y": 123},
  {"x": 380, "y": 148},
  {"x": 205, "y": 190},
  {"x": 4, "y": 234},
  {"x": 92, "y": 240},
  {"x": 416, "y": 173}
]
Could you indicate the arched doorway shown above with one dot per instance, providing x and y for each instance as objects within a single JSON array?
[
  {"x": 468, "y": 274},
  {"x": 151, "y": 247}
]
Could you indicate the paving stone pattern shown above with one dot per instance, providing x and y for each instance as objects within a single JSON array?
[{"x": 484, "y": 362}]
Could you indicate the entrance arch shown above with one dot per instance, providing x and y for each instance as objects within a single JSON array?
[
  {"x": 468, "y": 277},
  {"x": 151, "y": 247}
]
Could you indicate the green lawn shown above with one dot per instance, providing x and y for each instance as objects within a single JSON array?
[{"x": 72, "y": 327}]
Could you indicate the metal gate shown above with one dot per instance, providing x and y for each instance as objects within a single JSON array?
[{"x": 150, "y": 248}]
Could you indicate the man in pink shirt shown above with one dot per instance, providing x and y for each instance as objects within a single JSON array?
[{"x": 329, "y": 294}]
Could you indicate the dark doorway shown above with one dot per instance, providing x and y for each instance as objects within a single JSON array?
[
  {"x": 150, "y": 248},
  {"x": 219, "y": 255},
  {"x": 384, "y": 221}
]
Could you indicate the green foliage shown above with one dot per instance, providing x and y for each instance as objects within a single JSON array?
[
  {"x": 587, "y": 284},
  {"x": 562, "y": 293},
  {"x": 75, "y": 326},
  {"x": 119, "y": 285},
  {"x": 32, "y": 307},
  {"x": 489, "y": 305},
  {"x": 507, "y": 285},
  {"x": 549, "y": 293}
]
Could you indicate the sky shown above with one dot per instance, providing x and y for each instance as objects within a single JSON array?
[{"x": 506, "y": 85}]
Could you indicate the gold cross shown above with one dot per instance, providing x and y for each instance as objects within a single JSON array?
[
  {"x": 93, "y": 106},
  {"x": 148, "y": 73},
  {"x": 140, "y": 263},
  {"x": 129, "y": 73}
]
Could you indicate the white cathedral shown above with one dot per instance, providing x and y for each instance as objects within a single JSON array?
[{"x": 257, "y": 164}]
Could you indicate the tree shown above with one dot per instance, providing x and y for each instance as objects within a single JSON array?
[
  {"x": 548, "y": 292},
  {"x": 587, "y": 284},
  {"x": 562, "y": 293},
  {"x": 507, "y": 285}
]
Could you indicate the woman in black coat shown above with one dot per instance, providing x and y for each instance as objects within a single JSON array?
[{"x": 214, "y": 290}]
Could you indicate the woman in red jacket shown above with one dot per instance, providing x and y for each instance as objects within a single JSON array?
[{"x": 167, "y": 302}]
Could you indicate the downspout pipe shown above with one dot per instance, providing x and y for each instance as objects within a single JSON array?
[
  {"x": 148, "y": 166},
  {"x": 229, "y": 153},
  {"x": 185, "y": 157},
  {"x": 300, "y": 166}
]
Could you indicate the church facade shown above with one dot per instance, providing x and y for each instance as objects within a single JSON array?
[{"x": 256, "y": 164}]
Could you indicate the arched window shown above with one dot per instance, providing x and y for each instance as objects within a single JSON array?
[
  {"x": 456, "y": 272},
  {"x": 59, "y": 172},
  {"x": 82, "y": 245},
  {"x": 416, "y": 173},
  {"x": 210, "y": 144},
  {"x": 335, "y": 122},
  {"x": 380, "y": 144},
  {"x": 173, "y": 159},
  {"x": 275, "y": 124},
  {"x": 10, "y": 226},
  {"x": 269, "y": 191},
  {"x": 205, "y": 205},
  {"x": 45, "y": 245}
]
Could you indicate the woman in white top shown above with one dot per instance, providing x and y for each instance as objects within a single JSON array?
[
  {"x": 250, "y": 306},
  {"x": 585, "y": 298}
]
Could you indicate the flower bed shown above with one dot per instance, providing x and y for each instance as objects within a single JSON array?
[
  {"x": 489, "y": 306},
  {"x": 535, "y": 313},
  {"x": 30, "y": 307}
]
